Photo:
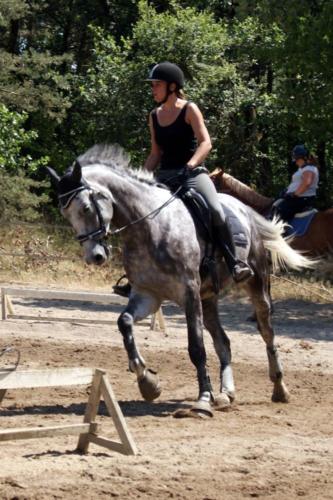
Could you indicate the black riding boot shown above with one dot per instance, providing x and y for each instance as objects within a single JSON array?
[{"x": 239, "y": 270}]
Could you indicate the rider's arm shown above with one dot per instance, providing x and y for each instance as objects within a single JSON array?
[
  {"x": 195, "y": 119},
  {"x": 307, "y": 179},
  {"x": 155, "y": 153}
]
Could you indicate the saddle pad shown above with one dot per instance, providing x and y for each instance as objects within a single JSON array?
[
  {"x": 300, "y": 223},
  {"x": 239, "y": 233}
]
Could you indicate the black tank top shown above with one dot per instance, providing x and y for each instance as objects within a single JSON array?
[{"x": 176, "y": 141}]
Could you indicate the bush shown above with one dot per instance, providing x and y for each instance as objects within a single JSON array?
[{"x": 19, "y": 191}]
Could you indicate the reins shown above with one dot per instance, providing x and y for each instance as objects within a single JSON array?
[
  {"x": 101, "y": 232},
  {"x": 150, "y": 215}
]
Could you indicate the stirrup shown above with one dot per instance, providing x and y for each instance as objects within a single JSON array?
[{"x": 122, "y": 290}]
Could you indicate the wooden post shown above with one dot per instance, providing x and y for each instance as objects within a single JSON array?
[
  {"x": 118, "y": 418},
  {"x": 3, "y": 305},
  {"x": 9, "y": 305},
  {"x": 2, "y": 394},
  {"x": 161, "y": 320},
  {"x": 92, "y": 409}
]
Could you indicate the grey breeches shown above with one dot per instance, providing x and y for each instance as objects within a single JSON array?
[{"x": 204, "y": 185}]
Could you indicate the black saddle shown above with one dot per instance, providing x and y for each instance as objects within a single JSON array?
[
  {"x": 202, "y": 217},
  {"x": 199, "y": 209}
]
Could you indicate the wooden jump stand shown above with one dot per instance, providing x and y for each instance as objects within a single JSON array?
[
  {"x": 157, "y": 319},
  {"x": 88, "y": 430}
]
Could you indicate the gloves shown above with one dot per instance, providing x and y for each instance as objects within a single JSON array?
[
  {"x": 184, "y": 174},
  {"x": 290, "y": 195}
]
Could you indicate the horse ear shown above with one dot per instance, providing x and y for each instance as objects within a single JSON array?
[
  {"x": 77, "y": 172},
  {"x": 54, "y": 176}
]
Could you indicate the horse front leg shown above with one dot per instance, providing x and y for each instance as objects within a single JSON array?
[
  {"x": 139, "y": 307},
  {"x": 197, "y": 352},
  {"x": 261, "y": 301}
]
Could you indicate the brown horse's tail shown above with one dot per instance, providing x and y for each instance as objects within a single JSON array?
[
  {"x": 228, "y": 184},
  {"x": 282, "y": 255}
]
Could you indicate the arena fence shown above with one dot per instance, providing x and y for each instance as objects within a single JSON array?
[{"x": 157, "y": 320}]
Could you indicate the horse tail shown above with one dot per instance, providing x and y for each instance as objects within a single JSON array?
[{"x": 282, "y": 255}]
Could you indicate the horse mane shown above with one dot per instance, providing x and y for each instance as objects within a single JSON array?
[
  {"x": 226, "y": 183},
  {"x": 115, "y": 157}
]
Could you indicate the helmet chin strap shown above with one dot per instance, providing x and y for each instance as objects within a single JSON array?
[{"x": 168, "y": 92}]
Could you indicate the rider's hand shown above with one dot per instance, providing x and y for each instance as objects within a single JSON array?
[{"x": 184, "y": 174}]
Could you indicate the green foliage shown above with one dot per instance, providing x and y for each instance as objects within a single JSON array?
[
  {"x": 19, "y": 200},
  {"x": 13, "y": 138},
  {"x": 260, "y": 70},
  {"x": 19, "y": 193},
  {"x": 221, "y": 76},
  {"x": 193, "y": 40}
]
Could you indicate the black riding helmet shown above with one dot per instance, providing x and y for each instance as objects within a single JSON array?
[
  {"x": 300, "y": 151},
  {"x": 167, "y": 72}
]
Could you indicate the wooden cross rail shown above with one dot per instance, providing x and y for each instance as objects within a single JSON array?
[
  {"x": 39, "y": 293},
  {"x": 88, "y": 430}
]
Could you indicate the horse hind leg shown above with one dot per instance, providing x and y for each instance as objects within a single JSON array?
[
  {"x": 259, "y": 293},
  {"x": 139, "y": 307},
  {"x": 222, "y": 348},
  {"x": 197, "y": 353}
]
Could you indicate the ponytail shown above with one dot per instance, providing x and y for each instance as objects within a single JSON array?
[
  {"x": 180, "y": 93},
  {"x": 313, "y": 160}
]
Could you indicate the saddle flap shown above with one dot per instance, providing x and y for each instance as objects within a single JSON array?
[
  {"x": 239, "y": 233},
  {"x": 199, "y": 210},
  {"x": 301, "y": 222}
]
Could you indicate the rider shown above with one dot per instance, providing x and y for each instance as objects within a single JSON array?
[
  {"x": 180, "y": 143},
  {"x": 301, "y": 192}
]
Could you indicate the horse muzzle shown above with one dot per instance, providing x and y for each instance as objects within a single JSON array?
[{"x": 97, "y": 253}]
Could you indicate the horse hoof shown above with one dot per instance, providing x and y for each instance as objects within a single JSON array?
[
  {"x": 223, "y": 401},
  {"x": 202, "y": 409},
  {"x": 149, "y": 386},
  {"x": 281, "y": 394}
]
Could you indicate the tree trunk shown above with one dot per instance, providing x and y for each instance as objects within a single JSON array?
[{"x": 13, "y": 36}]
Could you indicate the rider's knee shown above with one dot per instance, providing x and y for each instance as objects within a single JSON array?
[{"x": 218, "y": 216}]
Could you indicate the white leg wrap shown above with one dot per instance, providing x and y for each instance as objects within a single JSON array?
[{"x": 227, "y": 383}]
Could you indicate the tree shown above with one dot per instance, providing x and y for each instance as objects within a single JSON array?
[{"x": 19, "y": 195}]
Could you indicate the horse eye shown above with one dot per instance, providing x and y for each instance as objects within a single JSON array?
[
  {"x": 101, "y": 196},
  {"x": 86, "y": 209}
]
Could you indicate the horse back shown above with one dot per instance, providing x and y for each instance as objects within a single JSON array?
[{"x": 319, "y": 238}]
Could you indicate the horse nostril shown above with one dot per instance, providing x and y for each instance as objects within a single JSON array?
[{"x": 99, "y": 258}]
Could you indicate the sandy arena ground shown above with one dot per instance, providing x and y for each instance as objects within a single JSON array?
[{"x": 256, "y": 450}]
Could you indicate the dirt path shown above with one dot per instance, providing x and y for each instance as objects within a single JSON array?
[{"x": 256, "y": 450}]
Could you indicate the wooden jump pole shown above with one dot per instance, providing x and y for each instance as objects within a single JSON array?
[{"x": 49, "y": 294}]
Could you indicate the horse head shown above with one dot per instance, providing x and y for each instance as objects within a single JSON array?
[{"x": 88, "y": 206}]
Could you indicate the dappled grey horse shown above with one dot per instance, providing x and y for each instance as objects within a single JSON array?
[{"x": 162, "y": 255}]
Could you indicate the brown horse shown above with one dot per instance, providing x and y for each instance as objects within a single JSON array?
[{"x": 317, "y": 241}]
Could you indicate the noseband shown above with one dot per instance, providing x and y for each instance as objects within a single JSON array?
[{"x": 66, "y": 199}]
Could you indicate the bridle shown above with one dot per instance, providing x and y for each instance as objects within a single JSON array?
[
  {"x": 66, "y": 199},
  {"x": 98, "y": 234}
]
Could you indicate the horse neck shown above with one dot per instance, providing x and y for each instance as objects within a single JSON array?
[
  {"x": 244, "y": 193},
  {"x": 132, "y": 198}
]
